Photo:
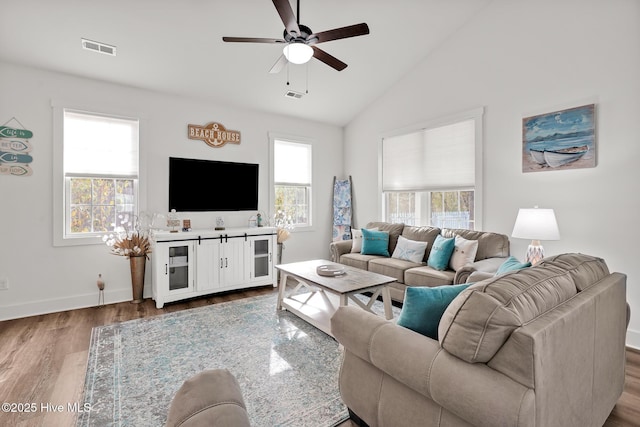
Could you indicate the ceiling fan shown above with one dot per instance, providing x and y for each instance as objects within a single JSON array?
[{"x": 300, "y": 42}]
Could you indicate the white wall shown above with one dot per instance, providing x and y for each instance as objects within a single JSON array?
[
  {"x": 44, "y": 278},
  {"x": 519, "y": 58}
]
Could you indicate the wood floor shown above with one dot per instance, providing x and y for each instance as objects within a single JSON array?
[{"x": 43, "y": 361}]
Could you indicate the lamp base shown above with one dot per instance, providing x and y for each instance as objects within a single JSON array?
[{"x": 535, "y": 252}]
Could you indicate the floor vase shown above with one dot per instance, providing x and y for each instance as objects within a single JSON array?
[{"x": 137, "y": 264}]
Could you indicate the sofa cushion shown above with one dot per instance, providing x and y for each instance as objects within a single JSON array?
[
  {"x": 375, "y": 242},
  {"x": 481, "y": 319},
  {"x": 423, "y": 307},
  {"x": 358, "y": 260},
  {"x": 394, "y": 231},
  {"x": 356, "y": 237},
  {"x": 464, "y": 253},
  {"x": 427, "y": 276},
  {"x": 590, "y": 267},
  {"x": 391, "y": 267},
  {"x": 490, "y": 245},
  {"x": 511, "y": 264},
  {"x": 409, "y": 250},
  {"x": 441, "y": 253}
]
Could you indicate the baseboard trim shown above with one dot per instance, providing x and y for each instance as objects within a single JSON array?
[
  {"x": 56, "y": 305},
  {"x": 633, "y": 339}
]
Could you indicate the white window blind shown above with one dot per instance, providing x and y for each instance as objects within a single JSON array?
[
  {"x": 292, "y": 163},
  {"x": 99, "y": 145},
  {"x": 430, "y": 159}
]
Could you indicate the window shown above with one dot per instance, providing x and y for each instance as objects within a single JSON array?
[
  {"x": 432, "y": 175},
  {"x": 100, "y": 166},
  {"x": 292, "y": 182}
]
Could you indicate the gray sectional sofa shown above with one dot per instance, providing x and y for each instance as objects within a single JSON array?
[
  {"x": 543, "y": 346},
  {"x": 493, "y": 249}
]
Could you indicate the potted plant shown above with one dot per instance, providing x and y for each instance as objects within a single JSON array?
[{"x": 135, "y": 245}]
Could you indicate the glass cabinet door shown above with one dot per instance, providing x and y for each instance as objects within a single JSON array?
[
  {"x": 260, "y": 259},
  {"x": 178, "y": 268}
]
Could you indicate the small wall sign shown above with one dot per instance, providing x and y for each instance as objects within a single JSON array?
[
  {"x": 214, "y": 134},
  {"x": 15, "y": 150}
]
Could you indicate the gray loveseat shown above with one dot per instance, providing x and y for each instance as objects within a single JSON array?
[
  {"x": 493, "y": 249},
  {"x": 543, "y": 346}
]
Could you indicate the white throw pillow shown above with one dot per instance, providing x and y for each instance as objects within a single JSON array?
[
  {"x": 409, "y": 250},
  {"x": 464, "y": 253},
  {"x": 356, "y": 236}
]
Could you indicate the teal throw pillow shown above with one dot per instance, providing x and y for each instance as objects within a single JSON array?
[
  {"x": 441, "y": 252},
  {"x": 512, "y": 264},
  {"x": 375, "y": 242},
  {"x": 424, "y": 306}
]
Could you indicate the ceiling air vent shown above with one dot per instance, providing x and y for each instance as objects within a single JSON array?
[
  {"x": 293, "y": 94},
  {"x": 98, "y": 47}
]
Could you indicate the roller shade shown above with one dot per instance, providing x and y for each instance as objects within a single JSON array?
[
  {"x": 292, "y": 163},
  {"x": 100, "y": 145},
  {"x": 430, "y": 159}
]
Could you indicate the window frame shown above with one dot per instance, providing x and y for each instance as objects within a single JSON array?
[
  {"x": 61, "y": 237},
  {"x": 273, "y": 137},
  {"x": 477, "y": 115}
]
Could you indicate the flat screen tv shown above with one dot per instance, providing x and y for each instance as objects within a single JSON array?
[{"x": 208, "y": 185}]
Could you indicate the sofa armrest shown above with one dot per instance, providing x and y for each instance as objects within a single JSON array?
[
  {"x": 401, "y": 353},
  {"x": 479, "y": 394},
  {"x": 478, "y": 276},
  {"x": 487, "y": 266},
  {"x": 339, "y": 248},
  {"x": 421, "y": 364}
]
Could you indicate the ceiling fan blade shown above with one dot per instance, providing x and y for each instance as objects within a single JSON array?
[
  {"x": 251, "y": 40},
  {"x": 341, "y": 33},
  {"x": 279, "y": 65},
  {"x": 330, "y": 60},
  {"x": 288, "y": 18}
]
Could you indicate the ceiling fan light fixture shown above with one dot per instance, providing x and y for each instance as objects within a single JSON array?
[{"x": 297, "y": 53}]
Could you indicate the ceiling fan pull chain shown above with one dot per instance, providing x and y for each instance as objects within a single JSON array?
[
  {"x": 287, "y": 73},
  {"x": 307, "y": 89}
]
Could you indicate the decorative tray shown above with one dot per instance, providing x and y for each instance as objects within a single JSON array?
[{"x": 330, "y": 270}]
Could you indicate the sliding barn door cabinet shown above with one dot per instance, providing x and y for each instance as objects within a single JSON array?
[{"x": 195, "y": 263}]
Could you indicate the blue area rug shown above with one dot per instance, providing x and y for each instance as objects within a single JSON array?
[{"x": 286, "y": 368}]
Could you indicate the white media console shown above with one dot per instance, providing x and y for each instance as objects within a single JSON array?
[{"x": 201, "y": 262}]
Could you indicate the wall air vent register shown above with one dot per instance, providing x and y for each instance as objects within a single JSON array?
[
  {"x": 293, "y": 94},
  {"x": 98, "y": 47}
]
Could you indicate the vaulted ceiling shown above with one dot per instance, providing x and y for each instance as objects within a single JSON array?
[{"x": 176, "y": 47}]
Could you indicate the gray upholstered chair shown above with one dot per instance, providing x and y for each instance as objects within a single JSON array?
[{"x": 210, "y": 398}]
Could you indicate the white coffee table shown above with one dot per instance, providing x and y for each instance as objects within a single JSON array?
[{"x": 326, "y": 294}]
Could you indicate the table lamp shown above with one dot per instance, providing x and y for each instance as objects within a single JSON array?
[{"x": 536, "y": 224}]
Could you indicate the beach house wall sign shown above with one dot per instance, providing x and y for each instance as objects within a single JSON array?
[
  {"x": 15, "y": 150},
  {"x": 214, "y": 134}
]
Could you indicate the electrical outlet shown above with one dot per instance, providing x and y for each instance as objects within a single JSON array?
[{"x": 4, "y": 284}]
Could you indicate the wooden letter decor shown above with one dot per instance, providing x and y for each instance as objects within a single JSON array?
[{"x": 214, "y": 134}]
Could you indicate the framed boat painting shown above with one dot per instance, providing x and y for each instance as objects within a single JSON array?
[{"x": 559, "y": 140}]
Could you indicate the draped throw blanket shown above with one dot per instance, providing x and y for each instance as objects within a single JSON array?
[{"x": 342, "y": 211}]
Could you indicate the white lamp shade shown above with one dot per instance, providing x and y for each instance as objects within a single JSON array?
[
  {"x": 536, "y": 224},
  {"x": 297, "y": 53}
]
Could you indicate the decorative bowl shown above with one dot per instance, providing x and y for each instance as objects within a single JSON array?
[{"x": 330, "y": 270}]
